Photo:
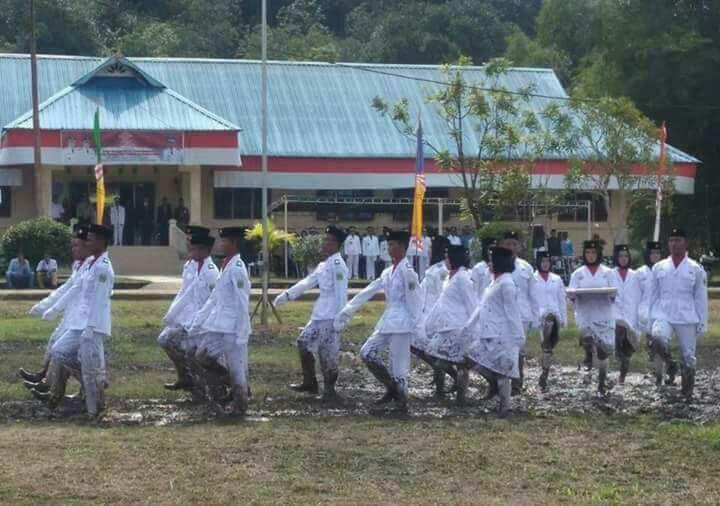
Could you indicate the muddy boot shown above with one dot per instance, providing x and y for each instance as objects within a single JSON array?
[
  {"x": 329, "y": 393},
  {"x": 309, "y": 383},
  {"x": 57, "y": 378},
  {"x": 672, "y": 369},
  {"x": 41, "y": 396},
  {"x": 588, "y": 360},
  {"x": 32, "y": 377},
  {"x": 439, "y": 380},
  {"x": 492, "y": 390},
  {"x": 40, "y": 387},
  {"x": 401, "y": 398},
  {"x": 461, "y": 383},
  {"x": 688, "y": 383},
  {"x": 602, "y": 377},
  {"x": 545, "y": 363},
  {"x": 658, "y": 369},
  {"x": 517, "y": 383},
  {"x": 239, "y": 400},
  {"x": 504, "y": 390},
  {"x": 452, "y": 372},
  {"x": 624, "y": 368}
]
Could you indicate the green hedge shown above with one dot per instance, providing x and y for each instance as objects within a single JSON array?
[{"x": 35, "y": 237}]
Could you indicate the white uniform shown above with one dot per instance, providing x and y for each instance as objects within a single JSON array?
[
  {"x": 319, "y": 336},
  {"x": 397, "y": 325},
  {"x": 224, "y": 321},
  {"x": 117, "y": 220},
  {"x": 448, "y": 316},
  {"x": 679, "y": 305},
  {"x": 385, "y": 254},
  {"x": 454, "y": 240},
  {"x": 594, "y": 313},
  {"x": 432, "y": 287},
  {"x": 81, "y": 347},
  {"x": 495, "y": 331},
  {"x": 627, "y": 301},
  {"x": 551, "y": 298},
  {"x": 644, "y": 280},
  {"x": 352, "y": 251},
  {"x": 524, "y": 279},
  {"x": 198, "y": 282},
  {"x": 370, "y": 250},
  {"x": 424, "y": 260},
  {"x": 481, "y": 278}
]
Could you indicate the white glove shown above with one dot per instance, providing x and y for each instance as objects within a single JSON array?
[
  {"x": 37, "y": 310},
  {"x": 281, "y": 299},
  {"x": 50, "y": 314},
  {"x": 340, "y": 322}
]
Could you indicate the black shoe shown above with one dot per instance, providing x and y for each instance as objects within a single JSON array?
[
  {"x": 185, "y": 384},
  {"x": 672, "y": 370},
  {"x": 40, "y": 387},
  {"x": 41, "y": 396},
  {"x": 386, "y": 399},
  {"x": 602, "y": 387},
  {"x": 33, "y": 377},
  {"x": 543, "y": 381},
  {"x": 492, "y": 390},
  {"x": 312, "y": 388}
]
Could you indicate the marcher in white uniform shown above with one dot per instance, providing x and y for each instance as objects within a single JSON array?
[
  {"x": 679, "y": 306},
  {"x": 652, "y": 255},
  {"x": 352, "y": 250},
  {"x": 79, "y": 253},
  {"x": 319, "y": 336},
  {"x": 625, "y": 307},
  {"x": 224, "y": 326},
  {"x": 384, "y": 255},
  {"x": 481, "y": 273},
  {"x": 443, "y": 348},
  {"x": 200, "y": 275},
  {"x": 553, "y": 312},
  {"x": 370, "y": 250},
  {"x": 117, "y": 220},
  {"x": 425, "y": 254},
  {"x": 435, "y": 275},
  {"x": 81, "y": 349},
  {"x": 398, "y": 324},
  {"x": 495, "y": 333},
  {"x": 594, "y": 314},
  {"x": 524, "y": 279}
]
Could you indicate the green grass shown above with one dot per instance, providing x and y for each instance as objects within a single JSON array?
[{"x": 329, "y": 459}]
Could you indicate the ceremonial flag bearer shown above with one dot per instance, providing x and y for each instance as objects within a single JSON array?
[{"x": 319, "y": 336}]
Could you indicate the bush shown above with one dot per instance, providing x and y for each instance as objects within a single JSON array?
[
  {"x": 35, "y": 238},
  {"x": 308, "y": 250}
]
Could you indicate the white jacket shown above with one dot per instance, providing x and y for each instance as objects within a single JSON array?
[
  {"x": 679, "y": 295},
  {"x": 498, "y": 315},
  {"x": 593, "y": 308},
  {"x": 427, "y": 247},
  {"x": 627, "y": 300},
  {"x": 403, "y": 301},
  {"x": 117, "y": 216},
  {"x": 457, "y": 302},
  {"x": 551, "y": 298},
  {"x": 227, "y": 309},
  {"x": 481, "y": 278},
  {"x": 524, "y": 279},
  {"x": 45, "y": 304},
  {"x": 332, "y": 278},
  {"x": 384, "y": 253},
  {"x": 432, "y": 284},
  {"x": 644, "y": 280},
  {"x": 370, "y": 246},
  {"x": 194, "y": 292},
  {"x": 352, "y": 245}
]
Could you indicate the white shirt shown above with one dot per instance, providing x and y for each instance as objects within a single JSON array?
[
  {"x": 352, "y": 245},
  {"x": 457, "y": 302},
  {"x": 679, "y": 295},
  {"x": 47, "y": 266},
  {"x": 197, "y": 285},
  {"x": 227, "y": 309},
  {"x": 481, "y": 278},
  {"x": 384, "y": 253},
  {"x": 63, "y": 300},
  {"x": 524, "y": 279},
  {"x": 331, "y": 276},
  {"x": 592, "y": 308},
  {"x": 403, "y": 300},
  {"x": 644, "y": 277},
  {"x": 432, "y": 284},
  {"x": 498, "y": 315},
  {"x": 370, "y": 246},
  {"x": 551, "y": 297},
  {"x": 427, "y": 247},
  {"x": 117, "y": 215},
  {"x": 627, "y": 299}
]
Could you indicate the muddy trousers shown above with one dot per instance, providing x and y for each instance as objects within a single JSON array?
[
  {"x": 686, "y": 334},
  {"x": 624, "y": 350},
  {"x": 549, "y": 339},
  {"x": 593, "y": 346},
  {"x": 395, "y": 350}
]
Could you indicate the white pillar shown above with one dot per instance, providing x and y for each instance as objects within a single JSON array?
[{"x": 196, "y": 194}]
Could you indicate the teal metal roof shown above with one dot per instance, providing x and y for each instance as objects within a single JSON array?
[{"x": 315, "y": 109}]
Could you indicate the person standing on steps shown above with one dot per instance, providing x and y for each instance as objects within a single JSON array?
[
  {"x": 352, "y": 250},
  {"x": 370, "y": 250}
]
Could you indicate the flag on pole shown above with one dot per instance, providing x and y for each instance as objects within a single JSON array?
[
  {"x": 99, "y": 172},
  {"x": 658, "y": 182},
  {"x": 417, "y": 215}
]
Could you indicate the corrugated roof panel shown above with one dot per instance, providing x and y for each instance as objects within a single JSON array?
[{"x": 315, "y": 109}]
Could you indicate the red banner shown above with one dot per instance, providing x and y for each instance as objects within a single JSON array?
[{"x": 123, "y": 147}]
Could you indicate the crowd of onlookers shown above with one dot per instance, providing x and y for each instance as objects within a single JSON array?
[{"x": 20, "y": 273}]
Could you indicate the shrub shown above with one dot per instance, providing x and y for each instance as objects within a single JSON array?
[
  {"x": 35, "y": 238},
  {"x": 308, "y": 250}
]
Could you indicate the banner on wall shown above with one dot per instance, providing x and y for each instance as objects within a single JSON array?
[{"x": 123, "y": 147}]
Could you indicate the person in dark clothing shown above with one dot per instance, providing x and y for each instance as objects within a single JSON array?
[
  {"x": 164, "y": 215},
  {"x": 182, "y": 215},
  {"x": 146, "y": 219},
  {"x": 553, "y": 243}
]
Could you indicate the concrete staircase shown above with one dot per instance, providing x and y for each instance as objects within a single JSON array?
[{"x": 146, "y": 260}]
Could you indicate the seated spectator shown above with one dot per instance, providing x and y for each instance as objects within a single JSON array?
[
  {"x": 19, "y": 274},
  {"x": 47, "y": 273}
]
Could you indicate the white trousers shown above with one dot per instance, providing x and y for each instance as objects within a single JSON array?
[
  {"x": 370, "y": 267},
  {"x": 686, "y": 334},
  {"x": 354, "y": 265},
  {"x": 229, "y": 353},
  {"x": 320, "y": 338},
  {"x": 118, "y": 235},
  {"x": 396, "y": 347},
  {"x": 423, "y": 264}
]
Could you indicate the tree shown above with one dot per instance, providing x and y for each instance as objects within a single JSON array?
[
  {"x": 612, "y": 148},
  {"x": 497, "y": 124}
]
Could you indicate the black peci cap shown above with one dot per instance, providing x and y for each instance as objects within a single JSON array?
[
  {"x": 651, "y": 245},
  {"x": 195, "y": 230},
  {"x": 232, "y": 232},
  {"x": 202, "y": 240},
  {"x": 398, "y": 235},
  {"x": 101, "y": 230},
  {"x": 337, "y": 233},
  {"x": 511, "y": 234},
  {"x": 678, "y": 232},
  {"x": 592, "y": 245}
]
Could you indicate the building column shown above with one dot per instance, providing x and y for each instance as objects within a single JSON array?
[
  {"x": 196, "y": 194},
  {"x": 43, "y": 192}
]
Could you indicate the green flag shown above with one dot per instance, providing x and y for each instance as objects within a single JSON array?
[{"x": 96, "y": 135}]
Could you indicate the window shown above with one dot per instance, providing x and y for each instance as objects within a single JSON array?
[
  {"x": 237, "y": 203},
  {"x": 5, "y": 201},
  {"x": 579, "y": 214}
]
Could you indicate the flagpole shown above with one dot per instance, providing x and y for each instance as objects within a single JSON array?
[
  {"x": 264, "y": 128},
  {"x": 658, "y": 182},
  {"x": 41, "y": 198}
]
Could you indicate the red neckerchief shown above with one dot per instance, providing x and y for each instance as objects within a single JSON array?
[
  {"x": 677, "y": 260},
  {"x": 497, "y": 275},
  {"x": 226, "y": 261},
  {"x": 623, "y": 272},
  {"x": 200, "y": 264},
  {"x": 95, "y": 259},
  {"x": 545, "y": 275},
  {"x": 452, "y": 273},
  {"x": 593, "y": 269}
]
